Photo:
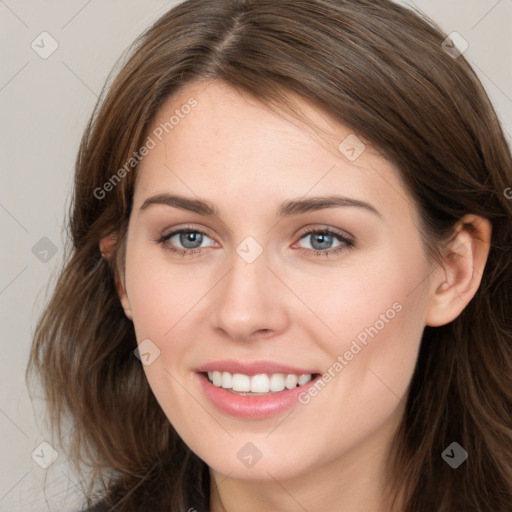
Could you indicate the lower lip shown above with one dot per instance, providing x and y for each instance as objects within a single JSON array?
[{"x": 252, "y": 407}]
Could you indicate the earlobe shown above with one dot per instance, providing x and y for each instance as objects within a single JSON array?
[
  {"x": 463, "y": 267},
  {"x": 123, "y": 297}
]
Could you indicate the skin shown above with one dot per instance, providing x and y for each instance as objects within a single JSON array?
[{"x": 289, "y": 305}]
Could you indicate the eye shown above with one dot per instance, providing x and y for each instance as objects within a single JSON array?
[
  {"x": 185, "y": 241},
  {"x": 188, "y": 241},
  {"x": 324, "y": 241}
]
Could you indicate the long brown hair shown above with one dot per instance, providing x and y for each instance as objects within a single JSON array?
[{"x": 380, "y": 69}]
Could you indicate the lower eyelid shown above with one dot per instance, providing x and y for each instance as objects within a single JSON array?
[{"x": 345, "y": 241}]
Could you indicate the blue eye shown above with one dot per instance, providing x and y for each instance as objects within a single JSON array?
[
  {"x": 318, "y": 242},
  {"x": 189, "y": 239},
  {"x": 185, "y": 241},
  {"x": 325, "y": 241}
]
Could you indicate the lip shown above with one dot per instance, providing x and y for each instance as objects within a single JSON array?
[
  {"x": 253, "y": 367},
  {"x": 252, "y": 407}
]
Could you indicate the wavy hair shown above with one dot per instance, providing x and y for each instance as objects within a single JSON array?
[{"x": 378, "y": 68}]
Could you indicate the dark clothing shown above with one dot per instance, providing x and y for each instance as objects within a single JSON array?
[
  {"x": 97, "y": 508},
  {"x": 101, "y": 507}
]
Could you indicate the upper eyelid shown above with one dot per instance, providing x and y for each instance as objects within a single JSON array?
[
  {"x": 301, "y": 232},
  {"x": 300, "y": 235},
  {"x": 326, "y": 229},
  {"x": 347, "y": 241},
  {"x": 175, "y": 231}
]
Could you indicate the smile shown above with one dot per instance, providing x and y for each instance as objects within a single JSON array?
[
  {"x": 257, "y": 384},
  {"x": 254, "y": 390}
]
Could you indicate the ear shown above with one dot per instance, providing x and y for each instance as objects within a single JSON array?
[
  {"x": 458, "y": 280},
  {"x": 107, "y": 249}
]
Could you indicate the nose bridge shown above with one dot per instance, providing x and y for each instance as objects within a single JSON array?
[
  {"x": 247, "y": 302},
  {"x": 249, "y": 271}
]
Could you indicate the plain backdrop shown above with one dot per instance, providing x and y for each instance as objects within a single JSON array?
[{"x": 44, "y": 104}]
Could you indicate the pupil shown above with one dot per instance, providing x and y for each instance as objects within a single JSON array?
[
  {"x": 191, "y": 240},
  {"x": 324, "y": 241}
]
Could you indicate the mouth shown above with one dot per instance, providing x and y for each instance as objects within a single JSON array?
[
  {"x": 254, "y": 390},
  {"x": 261, "y": 384}
]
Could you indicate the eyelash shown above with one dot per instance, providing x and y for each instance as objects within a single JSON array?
[{"x": 346, "y": 243}]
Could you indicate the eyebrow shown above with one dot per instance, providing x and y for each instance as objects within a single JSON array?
[{"x": 286, "y": 209}]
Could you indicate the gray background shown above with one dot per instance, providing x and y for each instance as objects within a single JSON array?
[{"x": 45, "y": 104}]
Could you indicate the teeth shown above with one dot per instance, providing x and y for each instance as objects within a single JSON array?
[
  {"x": 227, "y": 380},
  {"x": 241, "y": 382},
  {"x": 217, "y": 379},
  {"x": 304, "y": 379},
  {"x": 277, "y": 382},
  {"x": 291, "y": 381},
  {"x": 261, "y": 383}
]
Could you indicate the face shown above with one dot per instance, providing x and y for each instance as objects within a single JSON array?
[{"x": 266, "y": 257}]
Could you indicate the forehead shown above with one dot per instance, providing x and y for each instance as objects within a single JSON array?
[{"x": 214, "y": 142}]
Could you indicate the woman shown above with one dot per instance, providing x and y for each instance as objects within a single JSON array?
[{"x": 289, "y": 286}]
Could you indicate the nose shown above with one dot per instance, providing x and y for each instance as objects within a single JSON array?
[{"x": 250, "y": 301}]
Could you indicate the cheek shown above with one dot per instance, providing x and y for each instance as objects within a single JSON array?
[
  {"x": 375, "y": 313},
  {"x": 161, "y": 294},
  {"x": 367, "y": 296}
]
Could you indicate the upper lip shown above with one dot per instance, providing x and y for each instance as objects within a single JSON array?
[{"x": 252, "y": 367}]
